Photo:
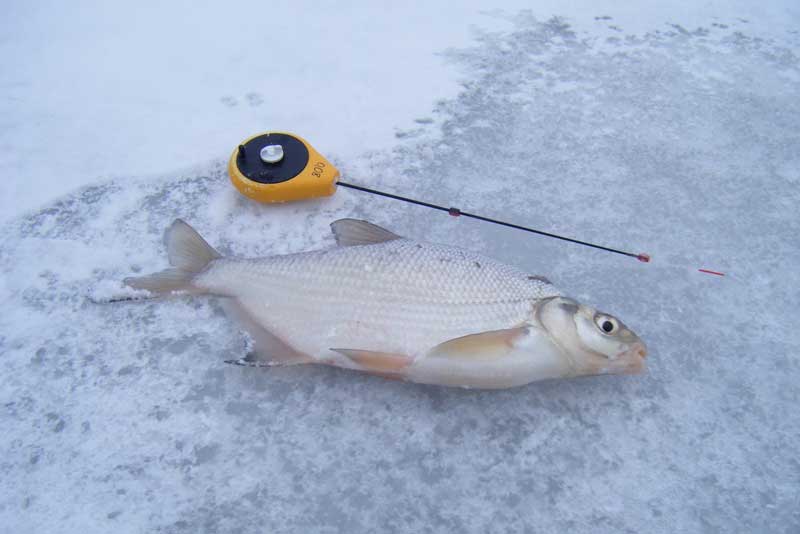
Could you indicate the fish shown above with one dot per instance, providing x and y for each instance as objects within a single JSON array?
[{"x": 401, "y": 309}]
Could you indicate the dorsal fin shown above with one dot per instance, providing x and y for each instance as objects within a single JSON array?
[{"x": 350, "y": 232}]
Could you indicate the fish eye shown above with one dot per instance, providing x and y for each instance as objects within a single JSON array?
[{"x": 607, "y": 324}]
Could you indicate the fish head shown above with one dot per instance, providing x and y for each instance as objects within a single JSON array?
[{"x": 593, "y": 341}]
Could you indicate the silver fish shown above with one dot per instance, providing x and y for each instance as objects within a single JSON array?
[{"x": 402, "y": 309}]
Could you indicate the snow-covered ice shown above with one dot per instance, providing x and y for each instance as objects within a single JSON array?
[{"x": 679, "y": 139}]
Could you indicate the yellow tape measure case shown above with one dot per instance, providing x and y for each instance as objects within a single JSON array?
[{"x": 281, "y": 167}]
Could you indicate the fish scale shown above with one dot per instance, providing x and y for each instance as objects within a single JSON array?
[{"x": 361, "y": 296}]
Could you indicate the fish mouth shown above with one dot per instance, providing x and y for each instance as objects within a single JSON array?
[{"x": 633, "y": 359}]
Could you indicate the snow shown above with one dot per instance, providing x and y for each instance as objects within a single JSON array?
[{"x": 666, "y": 129}]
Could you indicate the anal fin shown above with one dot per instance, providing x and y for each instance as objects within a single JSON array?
[
  {"x": 247, "y": 361},
  {"x": 268, "y": 349}
]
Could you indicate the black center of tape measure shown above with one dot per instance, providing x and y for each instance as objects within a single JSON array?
[{"x": 249, "y": 162}]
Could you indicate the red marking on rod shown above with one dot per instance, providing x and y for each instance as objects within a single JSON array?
[
  {"x": 643, "y": 257},
  {"x": 711, "y": 272},
  {"x": 455, "y": 212}
]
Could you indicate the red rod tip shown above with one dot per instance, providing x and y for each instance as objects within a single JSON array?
[
  {"x": 711, "y": 272},
  {"x": 643, "y": 258}
]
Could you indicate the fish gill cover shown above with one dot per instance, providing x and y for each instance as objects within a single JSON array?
[{"x": 682, "y": 142}]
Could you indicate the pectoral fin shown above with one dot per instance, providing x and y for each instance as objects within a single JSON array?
[
  {"x": 484, "y": 346},
  {"x": 382, "y": 363}
]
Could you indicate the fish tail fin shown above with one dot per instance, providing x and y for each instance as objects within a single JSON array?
[{"x": 189, "y": 254}]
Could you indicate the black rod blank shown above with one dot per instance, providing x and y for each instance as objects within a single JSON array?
[{"x": 457, "y": 212}]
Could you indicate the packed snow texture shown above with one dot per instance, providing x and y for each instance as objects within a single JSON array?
[{"x": 681, "y": 142}]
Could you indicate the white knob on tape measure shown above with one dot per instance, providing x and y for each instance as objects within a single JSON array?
[{"x": 271, "y": 153}]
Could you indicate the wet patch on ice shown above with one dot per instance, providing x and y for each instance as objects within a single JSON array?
[{"x": 681, "y": 143}]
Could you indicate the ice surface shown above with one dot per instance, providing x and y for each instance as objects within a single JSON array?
[{"x": 681, "y": 142}]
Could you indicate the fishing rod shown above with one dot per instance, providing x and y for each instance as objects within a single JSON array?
[
  {"x": 455, "y": 212},
  {"x": 278, "y": 167}
]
